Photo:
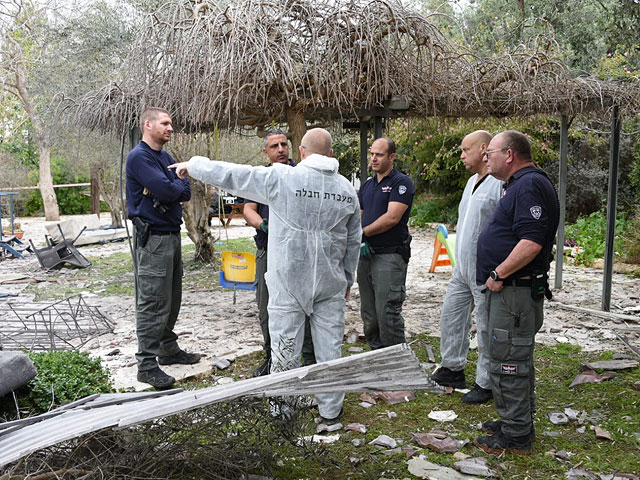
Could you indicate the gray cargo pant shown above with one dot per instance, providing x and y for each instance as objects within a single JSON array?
[
  {"x": 514, "y": 320},
  {"x": 158, "y": 297},
  {"x": 262, "y": 297},
  {"x": 381, "y": 281}
]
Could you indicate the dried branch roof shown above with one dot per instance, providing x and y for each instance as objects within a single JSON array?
[{"x": 252, "y": 61}]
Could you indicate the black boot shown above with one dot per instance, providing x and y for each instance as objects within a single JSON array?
[{"x": 264, "y": 368}]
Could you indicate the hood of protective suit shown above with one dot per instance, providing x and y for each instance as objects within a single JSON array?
[{"x": 314, "y": 224}]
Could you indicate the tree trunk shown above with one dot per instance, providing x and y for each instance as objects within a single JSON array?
[
  {"x": 196, "y": 219},
  {"x": 51, "y": 211},
  {"x": 110, "y": 194},
  {"x": 49, "y": 199},
  {"x": 297, "y": 129},
  {"x": 95, "y": 189}
]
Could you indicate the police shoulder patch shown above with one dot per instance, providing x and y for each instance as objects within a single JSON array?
[
  {"x": 402, "y": 189},
  {"x": 536, "y": 212}
]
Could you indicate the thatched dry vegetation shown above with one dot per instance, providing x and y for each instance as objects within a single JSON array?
[{"x": 251, "y": 63}]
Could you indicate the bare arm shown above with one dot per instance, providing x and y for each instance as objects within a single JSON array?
[
  {"x": 385, "y": 222},
  {"x": 251, "y": 215},
  {"x": 523, "y": 253}
]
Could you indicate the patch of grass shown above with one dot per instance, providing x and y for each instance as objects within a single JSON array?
[
  {"x": 613, "y": 405},
  {"x": 113, "y": 274}
]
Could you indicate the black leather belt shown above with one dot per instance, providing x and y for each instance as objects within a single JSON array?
[
  {"x": 157, "y": 232},
  {"x": 517, "y": 282},
  {"x": 383, "y": 250}
]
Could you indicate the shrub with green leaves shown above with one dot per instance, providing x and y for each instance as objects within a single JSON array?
[
  {"x": 63, "y": 377},
  {"x": 427, "y": 209},
  {"x": 589, "y": 232}
]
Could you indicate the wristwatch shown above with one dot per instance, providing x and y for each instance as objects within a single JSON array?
[{"x": 494, "y": 276}]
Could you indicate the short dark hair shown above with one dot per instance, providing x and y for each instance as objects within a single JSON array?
[
  {"x": 270, "y": 133},
  {"x": 391, "y": 145},
  {"x": 151, "y": 113},
  {"x": 518, "y": 142}
]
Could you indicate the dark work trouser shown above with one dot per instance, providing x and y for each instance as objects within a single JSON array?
[
  {"x": 514, "y": 320},
  {"x": 262, "y": 296},
  {"x": 381, "y": 281},
  {"x": 158, "y": 297}
]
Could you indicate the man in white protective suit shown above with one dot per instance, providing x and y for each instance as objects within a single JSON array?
[
  {"x": 313, "y": 249},
  {"x": 479, "y": 200}
]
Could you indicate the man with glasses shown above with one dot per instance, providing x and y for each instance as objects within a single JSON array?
[
  {"x": 385, "y": 202},
  {"x": 477, "y": 205},
  {"x": 276, "y": 148},
  {"x": 514, "y": 255}
]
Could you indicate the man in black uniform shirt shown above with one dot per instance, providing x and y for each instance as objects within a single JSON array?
[
  {"x": 154, "y": 194},
  {"x": 385, "y": 204},
  {"x": 514, "y": 255}
]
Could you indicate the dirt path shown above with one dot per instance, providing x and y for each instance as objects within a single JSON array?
[{"x": 210, "y": 323}]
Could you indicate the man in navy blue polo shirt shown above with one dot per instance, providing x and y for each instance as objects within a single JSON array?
[
  {"x": 154, "y": 194},
  {"x": 385, "y": 204},
  {"x": 514, "y": 255},
  {"x": 276, "y": 148}
]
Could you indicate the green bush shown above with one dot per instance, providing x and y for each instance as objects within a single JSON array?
[
  {"x": 589, "y": 232},
  {"x": 63, "y": 377},
  {"x": 428, "y": 209}
]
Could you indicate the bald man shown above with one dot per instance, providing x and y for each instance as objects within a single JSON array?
[
  {"x": 313, "y": 249},
  {"x": 479, "y": 200}
]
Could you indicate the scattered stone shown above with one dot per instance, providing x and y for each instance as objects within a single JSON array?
[
  {"x": 422, "y": 468},
  {"x": 474, "y": 466},
  {"x": 580, "y": 474},
  {"x": 442, "y": 415},
  {"x": 366, "y": 404},
  {"x": 365, "y": 397},
  {"x": 558, "y": 418},
  {"x": 131, "y": 364},
  {"x": 602, "y": 433},
  {"x": 220, "y": 363},
  {"x": 355, "y": 460},
  {"x": 224, "y": 380},
  {"x": 323, "y": 427},
  {"x": 448, "y": 390},
  {"x": 393, "y": 398},
  {"x": 551, "y": 434},
  {"x": 430, "y": 355},
  {"x": 571, "y": 413},
  {"x": 384, "y": 441},
  {"x": 562, "y": 339},
  {"x": 581, "y": 430},
  {"x": 358, "y": 442},
  {"x": 355, "y": 349},
  {"x": 351, "y": 336},
  {"x": 611, "y": 365},
  {"x": 409, "y": 451},
  {"x": 555, "y": 330},
  {"x": 16, "y": 370},
  {"x": 636, "y": 385},
  {"x": 622, "y": 356},
  {"x": 113, "y": 352},
  {"x": 619, "y": 476},
  {"x": 461, "y": 456},
  {"x": 392, "y": 415},
  {"x": 356, "y": 427},
  {"x": 590, "y": 376},
  {"x": 392, "y": 451},
  {"x": 440, "y": 445},
  {"x": 564, "y": 455}
]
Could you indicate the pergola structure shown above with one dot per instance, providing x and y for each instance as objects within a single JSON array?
[{"x": 254, "y": 63}]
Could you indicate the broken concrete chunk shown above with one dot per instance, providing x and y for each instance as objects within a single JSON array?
[
  {"x": 474, "y": 466},
  {"x": 355, "y": 349},
  {"x": 602, "y": 433},
  {"x": 392, "y": 451},
  {"x": 442, "y": 415},
  {"x": 393, "y": 398},
  {"x": 571, "y": 413},
  {"x": 358, "y": 442},
  {"x": 581, "y": 430},
  {"x": 320, "y": 439},
  {"x": 356, "y": 427},
  {"x": 619, "y": 476},
  {"x": 564, "y": 455},
  {"x": 365, "y": 397},
  {"x": 461, "y": 456},
  {"x": 351, "y": 336},
  {"x": 366, "y": 404},
  {"x": 580, "y": 474},
  {"x": 392, "y": 415},
  {"x": 636, "y": 385},
  {"x": 384, "y": 441},
  {"x": 355, "y": 460},
  {"x": 622, "y": 356},
  {"x": 113, "y": 352},
  {"x": 220, "y": 363},
  {"x": 440, "y": 445},
  {"x": 611, "y": 365},
  {"x": 422, "y": 468},
  {"x": 323, "y": 427},
  {"x": 558, "y": 418},
  {"x": 590, "y": 376},
  {"x": 409, "y": 451}
]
